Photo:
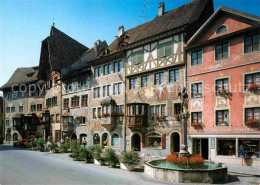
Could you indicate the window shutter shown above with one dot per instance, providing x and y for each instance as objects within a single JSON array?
[
  {"x": 161, "y": 51},
  {"x": 163, "y": 141},
  {"x": 168, "y": 49},
  {"x": 143, "y": 141}
]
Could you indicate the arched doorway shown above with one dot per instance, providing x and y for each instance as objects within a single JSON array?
[
  {"x": 15, "y": 137},
  {"x": 136, "y": 142},
  {"x": 74, "y": 137},
  {"x": 105, "y": 140},
  {"x": 96, "y": 139},
  {"x": 83, "y": 137},
  {"x": 175, "y": 142}
]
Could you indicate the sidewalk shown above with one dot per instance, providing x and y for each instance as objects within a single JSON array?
[{"x": 249, "y": 170}]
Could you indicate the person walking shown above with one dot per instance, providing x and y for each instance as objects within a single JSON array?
[{"x": 243, "y": 155}]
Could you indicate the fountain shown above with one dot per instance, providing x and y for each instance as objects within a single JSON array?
[{"x": 209, "y": 172}]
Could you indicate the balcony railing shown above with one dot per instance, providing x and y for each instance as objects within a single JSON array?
[{"x": 136, "y": 121}]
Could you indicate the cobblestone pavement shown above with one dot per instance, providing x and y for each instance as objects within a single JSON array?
[{"x": 24, "y": 167}]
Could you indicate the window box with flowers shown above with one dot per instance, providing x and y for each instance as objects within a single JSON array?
[
  {"x": 224, "y": 93},
  {"x": 74, "y": 105},
  {"x": 99, "y": 116},
  {"x": 197, "y": 125},
  {"x": 253, "y": 123},
  {"x": 83, "y": 104},
  {"x": 223, "y": 123},
  {"x": 254, "y": 88},
  {"x": 105, "y": 114}
]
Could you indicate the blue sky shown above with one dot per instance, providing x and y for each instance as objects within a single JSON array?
[{"x": 25, "y": 23}]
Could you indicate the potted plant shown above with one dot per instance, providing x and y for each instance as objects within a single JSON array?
[
  {"x": 129, "y": 159},
  {"x": 85, "y": 154},
  {"x": 96, "y": 151},
  {"x": 53, "y": 147},
  {"x": 111, "y": 157},
  {"x": 40, "y": 144},
  {"x": 75, "y": 151}
]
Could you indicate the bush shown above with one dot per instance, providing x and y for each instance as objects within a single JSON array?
[
  {"x": 111, "y": 157},
  {"x": 96, "y": 151},
  {"x": 67, "y": 144},
  {"x": 40, "y": 144},
  {"x": 130, "y": 157},
  {"x": 194, "y": 161},
  {"x": 52, "y": 145},
  {"x": 85, "y": 154}
]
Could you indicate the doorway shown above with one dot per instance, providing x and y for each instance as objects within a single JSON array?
[
  {"x": 136, "y": 142},
  {"x": 200, "y": 146},
  {"x": 175, "y": 142}
]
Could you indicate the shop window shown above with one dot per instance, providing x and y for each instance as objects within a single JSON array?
[
  {"x": 165, "y": 49},
  {"x": 138, "y": 57},
  {"x": 66, "y": 103},
  {"x": 196, "y": 57},
  {"x": 251, "y": 43},
  {"x": 251, "y": 147},
  {"x": 105, "y": 140},
  {"x": 251, "y": 79},
  {"x": 107, "y": 69},
  {"x": 174, "y": 75},
  {"x": 145, "y": 81},
  {"x": 196, "y": 90},
  {"x": 97, "y": 72},
  {"x": 132, "y": 84},
  {"x": 158, "y": 78},
  {"x": 226, "y": 146},
  {"x": 154, "y": 140},
  {"x": 221, "y": 29},
  {"x": 96, "y": 139},
  {"x": 222, "y": 118},
  {"x": 118, "y": 66},
  {"x": 115, "y": 140},
  {"x": 221, "y": 51}
]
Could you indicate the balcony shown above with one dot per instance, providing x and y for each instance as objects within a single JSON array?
[
  {"x": 67, "y": 128},
  {"x": 136, "y": 121}
]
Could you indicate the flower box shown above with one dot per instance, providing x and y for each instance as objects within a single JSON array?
[
  {"x": 223, "y": 123},
  {"x": 197, "y": 125},
  {"x": 105, "y": 114},
  {"x": 254, "y": 88},
  {"x": 253, "y": 123},
  {"x": 224, "y": 93}
]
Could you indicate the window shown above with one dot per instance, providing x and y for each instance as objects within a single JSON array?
[
  {"x": 196, "y": 90},
  {"x": 84, "y": 100},
  {"x": 20, "y": 108},
  {"x": 118, "y": 66},
  {"x": 97, "y": 92},
  {"x": 251, "y": 147},
  {"x": 152, "y": 111},
  {"x": 12, "y": 109},
  {"x": 145, "y": 81},
  {"x": 39, "y": 107},
  {"x": 222, "y": 84},
  {"x": 221, "y": 29},
  {"x": 115, "y": 140},
  {"x": 8, "y": 109},
  {"x": 132, "y": 84},
  {"x": 105, "y": 140},
  {"x": 106, "y": 109},
  {"x": 177, "y": 108},
  {"x": 174, "y": 75},
  {"x": 158, "y": 110},
  {"x": 117, "y": 88},
  {"x": 49, "y": 84},
  {"x": 33, "y": 108},
  {"x": 119, "y": 109},
  {"x": 9, "y": 96},
  {"x": 97, "y": 72},
  {"x": 138, "y": 57},
  {"x": 74, "y": 101},
  {"x": 66, "y": 103},
  {"x": 196, "y": 117},
  {"x": 82, "y": 83},
  {"x": 221, "y": 51},
  {"x": 165, "y": 49},
  {"x": 96, "y": 139},
  {"x": 251, "y": 43},
  {"x": 252, "y": 79},
  {"x": 53, "y": 118},
  {"x": 158, "y": 78},
  {"x": 154, "y": 140},
  {"x": 222, "y": 118},
  {"x": 252, "y": 113},
  {"x": 20, "y": 95},
  {"x": 226, "y": 146},
  {"x": 196, "y": 57},
  {"x": 57, "y": 117},
  {"x": 107, "y": 69},
  {"x": 106, "y": 90},
  {"x": 94, "y": 112},
  {"x": 34, "y": 92},
  {"x": 99, "y": 111},
  {"x": 81, "y": 120},
  {"x": 163, "y": 110}
]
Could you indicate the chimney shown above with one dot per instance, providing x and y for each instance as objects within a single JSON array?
[
  {"x": 120, "y": 31},
  {"x": 161, "y": 9},
  {"x": 98, "y": 42},
  {"x": 95, "y": 49}
]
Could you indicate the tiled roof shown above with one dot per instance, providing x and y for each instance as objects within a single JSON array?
[{"x": 23, "y": 75}]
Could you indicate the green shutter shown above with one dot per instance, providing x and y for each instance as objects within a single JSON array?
[{"x": 168, "y": 49}]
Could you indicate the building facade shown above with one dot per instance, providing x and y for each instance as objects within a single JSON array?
[
  {"x": 1, "y": 120},
  {"x": 223, "y": 65}
]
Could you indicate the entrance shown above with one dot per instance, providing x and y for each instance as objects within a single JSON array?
[
  {"x": 200, "y": 146},
  {"x": 175, "y": 142},
  {"x": 136, "y": 142}
]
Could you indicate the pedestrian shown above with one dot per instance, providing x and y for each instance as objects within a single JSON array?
[
  {"x": 243, "y": 155},
  {"x": 84, "y": 142}
]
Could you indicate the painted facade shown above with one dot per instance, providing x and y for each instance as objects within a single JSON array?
[{"x": 221, "y": 105}]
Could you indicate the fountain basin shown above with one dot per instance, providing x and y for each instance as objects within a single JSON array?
[{"x": 209, "y": 173}]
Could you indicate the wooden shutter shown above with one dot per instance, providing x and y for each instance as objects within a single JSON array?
[
  {"x": 143, "y": 141},
  {"x": 168, "y": 49},
  {"x": 163, "y": 141}
]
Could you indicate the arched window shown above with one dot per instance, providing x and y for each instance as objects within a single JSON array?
[
  {"x": 154, "y": 140},
  {"x": 221, "y": 29},
  {"x": 105, "y": 140},
  {"x": 96, "y": 139},
  {"x": 115, "y": 140}
]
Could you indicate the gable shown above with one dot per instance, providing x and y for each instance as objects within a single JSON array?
[{"x": 231, "y": 24}]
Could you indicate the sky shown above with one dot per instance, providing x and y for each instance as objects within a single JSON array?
[{"x": 25, "y": 23}]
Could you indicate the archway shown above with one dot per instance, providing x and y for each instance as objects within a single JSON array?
[
  {"x": 136, "y": 142},
  {"x": 15, "y": 137},
  {"x": 96, "y": 139},
  {"x": 105, "y": 139},
  {"x": 175, "y": 142},
  {"x": 82, "y": 137}
]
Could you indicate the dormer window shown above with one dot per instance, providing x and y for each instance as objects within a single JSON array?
[{"x": 221, "y": 29}]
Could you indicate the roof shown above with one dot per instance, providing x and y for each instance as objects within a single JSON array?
[
  {"x": 59, "y": 50},
  {"x": 137, "y": 100},
  {"x": 23, "y": 75},
  {"x": 253, "y": 20},
  {"x": 181, "y": 16}
]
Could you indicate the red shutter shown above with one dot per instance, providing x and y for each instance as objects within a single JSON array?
[
  {"x": 163, "y": 141},
  {"x": 143, "y": 141}
]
